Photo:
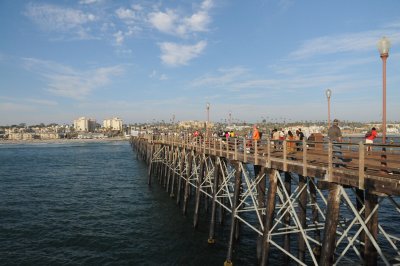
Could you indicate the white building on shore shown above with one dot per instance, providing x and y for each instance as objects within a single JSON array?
[
  {"x": 113, "y": 123},
  {"x": 84, "y": 124}
]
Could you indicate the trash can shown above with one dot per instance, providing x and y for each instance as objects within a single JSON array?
[{"x": 318, "y": 139}]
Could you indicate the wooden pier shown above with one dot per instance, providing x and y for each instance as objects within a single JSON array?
[{"x": 317, "y": 203}]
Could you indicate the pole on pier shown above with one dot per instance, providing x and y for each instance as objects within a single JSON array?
[
  {"x": 198, "y": 194},
  {"x": 269, "y": 215},
  {"x": 187, "y": 184},
  {"x": 238, "y": 180},
  {"x": 332, "y": 218},
  {"x": 370, "y": 252},
  {"x": 211, "y": 239},
  {"x": 302, "y": 215}
]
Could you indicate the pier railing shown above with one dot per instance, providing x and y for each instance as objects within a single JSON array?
[{"x": 372, "y": 166}]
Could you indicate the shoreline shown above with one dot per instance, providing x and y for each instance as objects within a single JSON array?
[{"x": 60, "y": 141}]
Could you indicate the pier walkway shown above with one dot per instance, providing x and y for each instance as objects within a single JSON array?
[{"x": 316, "y": 203}]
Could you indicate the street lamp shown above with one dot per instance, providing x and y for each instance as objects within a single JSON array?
[
  {"x": 383, "y": 47},
  {"x": 328, "y": 93}
]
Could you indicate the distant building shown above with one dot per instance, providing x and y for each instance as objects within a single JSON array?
[
  {"x": 84, "y": 124},
  {"x": 194, "y": 124},
  {"x": 113, "y": 123},
  {"x": 20, "y": 136}
]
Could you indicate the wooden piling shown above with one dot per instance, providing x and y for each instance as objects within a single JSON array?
[
  {"x": 211, "y": 239},
  {"x": 173, "y": 176},
  {"x": 302, "y": 216},
  {"x": 269, "y": 215},
  {"x": 198, "y": 194},
  {"x": 286, "y": 219},
  {"x": 370, "y": 252},
  {"x": 258, "y": 172},
  {"x": 315, "y": 217},
  {"x": 238, "y": 179},
  {"x": 151, "y": 166},
  {"x": 332, "y": 218},
  {"x": 181, "y": 175},
  {"x": 359, "y": 205},
  {"x": 187, "y": 184}
]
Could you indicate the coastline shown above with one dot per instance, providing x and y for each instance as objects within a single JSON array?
[{"x": 60, "y": 141}]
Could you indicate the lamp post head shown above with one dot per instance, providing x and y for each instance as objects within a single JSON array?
[
  {"x": 328, "y": 93},
  {"x": 384, "y": 46}
]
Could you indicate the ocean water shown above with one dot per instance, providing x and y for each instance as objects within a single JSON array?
[{"x": 89, "y": 204}]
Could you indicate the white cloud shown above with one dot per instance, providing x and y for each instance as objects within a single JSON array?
[
  {"x": 125, "y": 13},
  {"x": 56, "y": 18},
  {"x": 154, "y": 74},
  {"x": 15, "y": 107},
  {"x": 351, "y": 42},
  {"x": 164, "y": 21},
  {"x": 198, "y": 21},
  {"x": 119, "y": 37},
  {"x": 88, "y": 2},
  {"x": 174, "y": 23},
  {"x": 174, "y": 54},
  {"x": 207, "y": 4},
  {"x": 41, "y": 102},
  {"x": 224, "y": 77},
  {"x": 68, "y": 82}
]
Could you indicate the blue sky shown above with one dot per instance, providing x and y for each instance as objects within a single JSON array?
[{"x": 146, "y": 61}]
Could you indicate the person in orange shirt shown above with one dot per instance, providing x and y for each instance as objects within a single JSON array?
[{"x": 256, "y": 133}]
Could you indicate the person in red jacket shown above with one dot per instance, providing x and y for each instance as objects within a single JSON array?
[{"x": 369, "y": 138}]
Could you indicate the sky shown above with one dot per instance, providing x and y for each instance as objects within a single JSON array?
[{"x": 151, "y": 61}]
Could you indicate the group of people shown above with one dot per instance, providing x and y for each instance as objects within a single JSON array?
[{"x": 335, "y": 135}]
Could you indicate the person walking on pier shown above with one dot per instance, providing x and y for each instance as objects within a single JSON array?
[
  {"x": 256, "y": 133},
  {"x": 290, "y": 144},
  {"x": 369, "y": 138},
  {"x": 335, "y": 135},
  {"x": 300, "y": 136}
]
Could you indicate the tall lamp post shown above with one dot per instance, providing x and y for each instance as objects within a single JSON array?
[
  {"x": 328, "y": 93},
  {"x": 208, "y": 118},
  {"x": 383, "y": 47}
]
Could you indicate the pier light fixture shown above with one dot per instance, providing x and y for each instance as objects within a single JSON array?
[
  {"x": 383, "y": 48},
  {"x": 328, "y": 93}
]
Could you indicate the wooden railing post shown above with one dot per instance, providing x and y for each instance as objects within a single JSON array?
[
  {"x": 361, "y": 165},
  {"x": 244, "y": 150},
  {"x": 268, "y": 153},
  {"x": 220, "y": 148},
  {"x": 256, "y": 152},
  {"x": 305, "y": 157},
  {"x": 236, "y": 150},
  {"x": 227, "y": 148},
  {"x": 330, "y": 159},
  {"x": 214, "y": 147},
  {"x": 284, "y": 155}
]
